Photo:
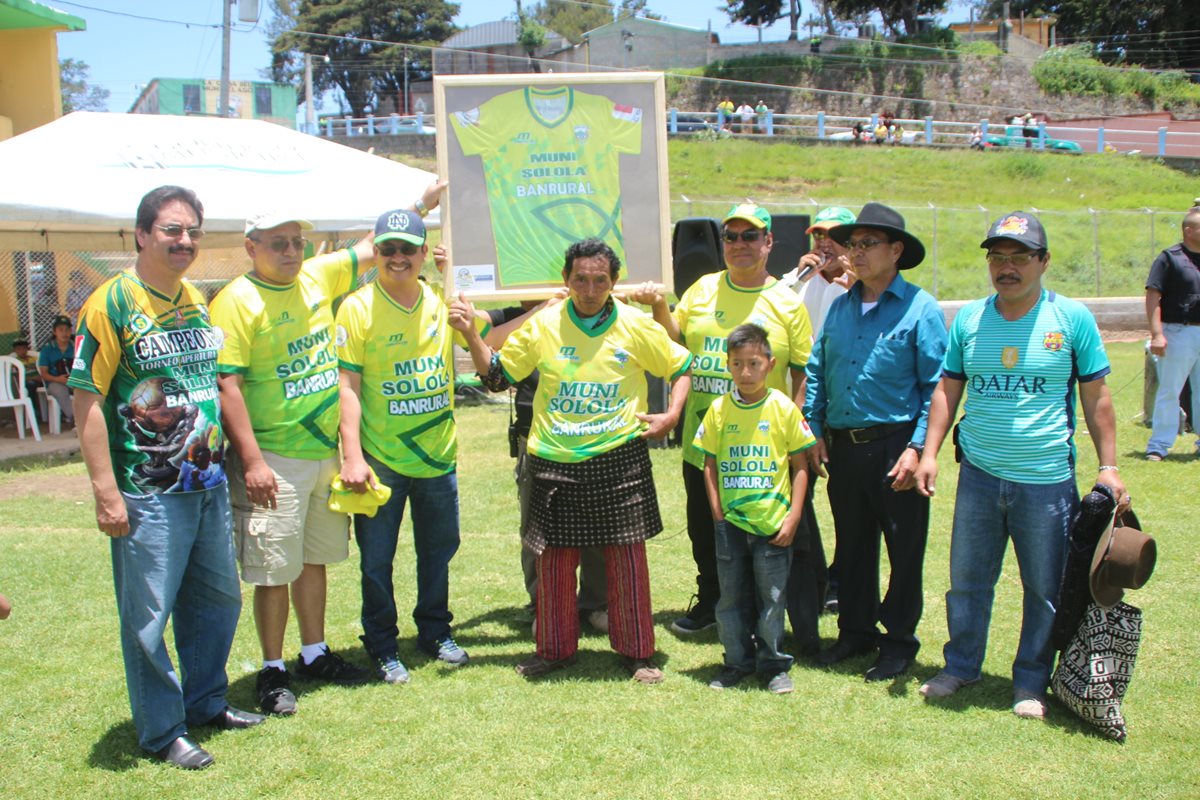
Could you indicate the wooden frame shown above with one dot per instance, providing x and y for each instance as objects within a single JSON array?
[{"x": 603, "y": 172}]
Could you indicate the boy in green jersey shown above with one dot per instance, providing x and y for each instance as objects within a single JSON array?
[{"x": 755, "y": 476}]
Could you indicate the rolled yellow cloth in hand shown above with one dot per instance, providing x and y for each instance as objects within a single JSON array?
[{"x": 348, "y": 501}]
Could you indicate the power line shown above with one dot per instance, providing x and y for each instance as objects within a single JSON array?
[{"x": 144, "y": 18}]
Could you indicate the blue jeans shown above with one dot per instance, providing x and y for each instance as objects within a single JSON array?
[
  {"x": 987, "y": 512},
  {"x": 435, "y": 537},
  {"x": 177, "y": 562},
  {"x": 753, "y": 578},
  {"x": 1181, "y": 362}
]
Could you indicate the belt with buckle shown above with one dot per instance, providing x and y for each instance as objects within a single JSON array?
[{"x": 871, "y": 434}]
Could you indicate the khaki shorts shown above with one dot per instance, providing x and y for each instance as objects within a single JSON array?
[{"x": 273, "y": 545}]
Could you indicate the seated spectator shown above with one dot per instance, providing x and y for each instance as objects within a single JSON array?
[
  {"x": 54, "y": 366},
  {"x": 21, "y": 353}
]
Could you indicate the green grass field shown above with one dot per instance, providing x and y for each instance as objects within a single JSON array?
[{"x": 483, "y": 731}]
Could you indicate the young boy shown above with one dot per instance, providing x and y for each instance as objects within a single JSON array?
[{"x": 750, "y": 438}]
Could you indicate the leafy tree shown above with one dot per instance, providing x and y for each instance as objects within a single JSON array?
[
  {"x": 1153, "y": 33},
  {"x": 572, "y": 19},
  {"x": 531, "y": 36},
  {"x": 899, "y": 16},
  {"x": 763, "y": 13},
  {"x": 369, "y": 62},
  {"x": 77, "y": 94}
]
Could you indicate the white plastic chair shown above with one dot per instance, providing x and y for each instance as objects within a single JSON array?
[
  {"x": 51, "y": 410},
  {"x": 14, "y": 395}
]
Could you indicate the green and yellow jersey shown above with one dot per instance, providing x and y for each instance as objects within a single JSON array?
[
  {"x": 592, "y": 379},
  {"x": 154, "y": 360},
  {"x": 711, "y": 308},
  {"x": 280, "y": 340},
  {"x": 551, "y": 167},
  {"x": 751, "y": 444},
  {"x": 405, "y": 359}
]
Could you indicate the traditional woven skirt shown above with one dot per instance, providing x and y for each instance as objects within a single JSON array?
[{"x": 605, "y": 500}]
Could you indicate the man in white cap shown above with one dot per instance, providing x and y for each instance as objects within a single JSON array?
[
  {"x": 279, "y": 400},
  {"x": 1017, "y": 356}
]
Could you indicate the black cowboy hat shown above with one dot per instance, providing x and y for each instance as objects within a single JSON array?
[{"x": 882, "y": 218}]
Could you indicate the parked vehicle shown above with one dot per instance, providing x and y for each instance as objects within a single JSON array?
[
  {"x": 689, "y": 123},
  {"x": 1013, "y": 136}
]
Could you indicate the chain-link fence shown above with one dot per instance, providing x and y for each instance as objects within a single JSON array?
[{"x": 1094, "y": 253}]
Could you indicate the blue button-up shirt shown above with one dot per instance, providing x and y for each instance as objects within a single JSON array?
[{"x": 880, "y": 367}]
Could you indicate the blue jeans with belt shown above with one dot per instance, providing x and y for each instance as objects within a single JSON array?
[
  {"x": 176, "y": 562},
  {"x": 435, "y": 537},
  {"x": 988, "y": 512},
  {"x": 750, "y": 613}
]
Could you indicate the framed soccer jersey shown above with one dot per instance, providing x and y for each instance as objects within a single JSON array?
[{"x": 538, "y": 162}]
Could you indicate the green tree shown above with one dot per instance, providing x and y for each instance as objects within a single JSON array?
[
  {"x": 531, "y": 36},
  {"x": 763, "y": 13},
  {"x": 363, "y": 48},
  {"x": 77, "y": 94},
  {"x": 1152, "y": 33},
  {"x": 572, "y": 19},
  {"x": 899, "y": 16}
]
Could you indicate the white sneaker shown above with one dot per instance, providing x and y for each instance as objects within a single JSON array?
[{"x": 1028, "y": 705}]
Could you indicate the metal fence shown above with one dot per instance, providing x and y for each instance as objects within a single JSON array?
[{"x": 1094, "y": 254}]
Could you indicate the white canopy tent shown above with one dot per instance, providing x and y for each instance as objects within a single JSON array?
[{"x": 75, "y": 183}]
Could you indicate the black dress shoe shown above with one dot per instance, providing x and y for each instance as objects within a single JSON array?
[
  {"x": 185, "y": 754},
  {"x": 235, "y": 719},
  {"x": 841, "y": 651},
  {"x": 887, "y": 667}
]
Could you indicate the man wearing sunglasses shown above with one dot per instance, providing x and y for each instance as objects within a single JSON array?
[
  {"x": 710, "y": 308},
  {"x": 1017, "y": 356},
  {"x": 396, "y": 365},
  {"x": 279, "y": 399},
  {"x": 874, "y": 367}
]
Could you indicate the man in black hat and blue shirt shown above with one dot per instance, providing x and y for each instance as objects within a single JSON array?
[
  {"x": 1017, "y": 355},
  {"x": 874, "y": 366}
]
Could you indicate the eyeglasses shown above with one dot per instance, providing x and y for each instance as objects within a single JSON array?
[
  {"x": 1016, "y": 259},
  {"x": 176, "y": 231},
  {"x": 749, "y": 235},
  {"x": 388, "y": 249},
  {"x": 819, "y": 234},
  {"x": 280, "y": 244},
  {"x": 864, "y": 244}
]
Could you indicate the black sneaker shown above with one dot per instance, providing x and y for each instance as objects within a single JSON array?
[
  {"x": 699, "y": 617},
  {"x": 728, "y": 678},
  {"x": 274, "y": 692},
  {"x": 332, "y": 668}
]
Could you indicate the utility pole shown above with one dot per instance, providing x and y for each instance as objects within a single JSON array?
[
  {"x": 226, "y": 23},
  {"x": 310, "y": 122}
]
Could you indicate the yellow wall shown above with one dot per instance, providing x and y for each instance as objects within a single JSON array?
[{"x": 30, "y": 94}]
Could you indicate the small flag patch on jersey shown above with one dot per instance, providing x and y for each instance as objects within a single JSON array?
[{"x": 627, "y": 113}]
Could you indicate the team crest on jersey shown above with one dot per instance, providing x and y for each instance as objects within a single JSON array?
[
  {"x": 581, "y": 132},
  {"x": 1011, "y": 356},
  {"x": 1053, "y": 341},
  {"x": 140, "y": 324},
  {"x": 622, "y": 355},
  {"x": 341, "y": 336},
  {"x": 764, "y": 426},
  {"x": 524, "y": 137}
]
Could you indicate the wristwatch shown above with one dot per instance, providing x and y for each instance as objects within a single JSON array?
[{"x": 920, "y": 448}]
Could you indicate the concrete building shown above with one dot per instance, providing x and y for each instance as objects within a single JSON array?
[
  {"x": 271, "y": 102},
  {"x": 30, "y": 92},
  {"x": 491, "y": 48}
]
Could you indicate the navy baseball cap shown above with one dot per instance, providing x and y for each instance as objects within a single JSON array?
[
  {"x": 402, "y": 224},
  {"x": 1018, "y": 227}
]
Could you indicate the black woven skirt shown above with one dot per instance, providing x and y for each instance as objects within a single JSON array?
[{"x": 608, "y": 499}]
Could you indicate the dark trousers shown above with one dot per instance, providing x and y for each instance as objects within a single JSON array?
[
  {"x": 808, "y": 579},
  {"x": 700, "y": 531},
  {"x": 864, "y": 506}
]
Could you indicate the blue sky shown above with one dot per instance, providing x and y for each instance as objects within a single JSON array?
[{"x": 182, "y": 38}]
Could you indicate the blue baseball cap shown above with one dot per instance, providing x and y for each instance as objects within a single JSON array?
[{"x": 402, "y": 224}]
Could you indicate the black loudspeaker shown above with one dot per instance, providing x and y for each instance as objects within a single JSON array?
[
  {"x": 791, "y": 242},
  {"x": 695, "y": 250}
]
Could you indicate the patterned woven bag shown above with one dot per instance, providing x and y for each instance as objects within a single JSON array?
[{"x": 1095, "y": 668}]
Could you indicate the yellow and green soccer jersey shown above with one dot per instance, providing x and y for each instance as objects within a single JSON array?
[
  {"x": 280, "y": 340},
  {"x": 591, "y": 381},
  {"x": 751, "y": 444},
  {"x": 405, "y": 359},
  {"x": 550, "y": 164},
  {"x": 711, "y": 308},
  {"x": 154, "y": 359}
]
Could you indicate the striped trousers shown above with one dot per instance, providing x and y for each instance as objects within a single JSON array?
[{"x": 630, "y": 626}]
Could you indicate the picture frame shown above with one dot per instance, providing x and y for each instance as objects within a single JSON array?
[{"x": 537, "y": 161}]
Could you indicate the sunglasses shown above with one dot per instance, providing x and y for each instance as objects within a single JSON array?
[
  {"x": 750, "y": 235},
  {"x": 819, "y": 234},
  {"x": 864, "y": 244},
  {"x": 282, "y": 243},
  {"x": 388, "y": 249},
  {"x": 1016, "y": 259},
  {"x": 175, "y": 231}
]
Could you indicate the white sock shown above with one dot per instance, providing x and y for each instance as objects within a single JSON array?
[
  {"x": 311, "y": 652},
  {"x": 275, "y": 663}
]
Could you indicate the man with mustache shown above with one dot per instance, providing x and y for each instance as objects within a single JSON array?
[{"x": 1017, "y": 355}]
